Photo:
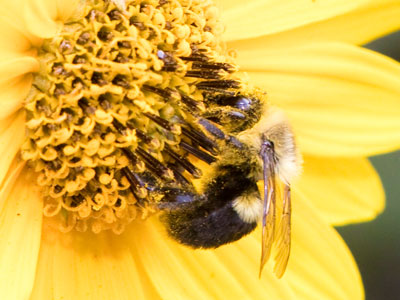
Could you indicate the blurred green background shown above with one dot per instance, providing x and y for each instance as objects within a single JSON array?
[{"x": 376, "y": 245}]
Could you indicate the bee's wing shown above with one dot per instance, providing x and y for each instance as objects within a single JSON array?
[
  {"x": 269, "y": 206},
  {"x": 282, "y": 238}
]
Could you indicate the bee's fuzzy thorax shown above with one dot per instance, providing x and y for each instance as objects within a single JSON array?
[{"x": 275, "y": 127}]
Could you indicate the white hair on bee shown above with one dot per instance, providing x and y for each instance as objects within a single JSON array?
[
  {"x": 275, "y": 127},
  {"x": 249, "y": 207}
]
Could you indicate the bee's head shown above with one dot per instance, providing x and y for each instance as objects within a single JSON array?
[
  {"x": 235, "y": 113},
  {"x": 273, "y": 128}
]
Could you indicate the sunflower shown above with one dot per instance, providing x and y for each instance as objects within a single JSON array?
[{"x": 341, "y": 100}]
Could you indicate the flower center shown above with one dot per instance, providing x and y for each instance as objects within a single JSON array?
[{"x": 111, "y": 117}]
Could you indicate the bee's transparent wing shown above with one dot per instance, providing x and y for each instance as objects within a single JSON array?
[
  {"x": 269, "y": 206},
  {"x": 282, "y": 238}
]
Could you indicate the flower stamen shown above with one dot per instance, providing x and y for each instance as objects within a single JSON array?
[{"x": 112, "y": 115}]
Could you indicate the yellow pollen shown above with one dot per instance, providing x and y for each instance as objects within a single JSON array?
[{"x": 111, "y": 116}]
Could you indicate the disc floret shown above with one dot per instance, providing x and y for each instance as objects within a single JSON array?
[{"x": 110, "y": 117}]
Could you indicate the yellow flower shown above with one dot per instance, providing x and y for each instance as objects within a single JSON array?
[{"x": 343, "y": 104}]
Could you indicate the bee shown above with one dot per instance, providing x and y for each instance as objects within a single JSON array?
[{"x": 256, "y": 145}]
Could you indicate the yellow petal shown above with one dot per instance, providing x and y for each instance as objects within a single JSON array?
[
  {"x": 180, "y": 273},
  {"x": 342, "y": 190},
  {"x": 41, "y": 17},
  {"x": 15, "y": 80},
  {"x": 13, "y": 94},
  {"x": 342, "y": 100},
  {"x": 358, "y": 26},
  {"x": 320, "y": 265},
  {"x": 12, "y": 135},
  {"x": 45, "y": 17},
  {"x": 260, "y": 17},
  {"x": 20, "y": 228},
  {"x": 43, "y": 285},
  {"x": 67, "y": 8},
  {"x": 16, "y": 67},
  {"x": 84, "y": 266},
  {"x": 14, "y": 37}
]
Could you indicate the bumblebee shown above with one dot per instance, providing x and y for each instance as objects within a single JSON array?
[{"x": 256, "y": 144}]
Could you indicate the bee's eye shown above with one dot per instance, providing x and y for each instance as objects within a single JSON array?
[
  {"x": 243, "y": 103},
  {"x": 235, "y": 113},
  {"x": 268, "y": 144},
  {"x": 238, "y": 102}
]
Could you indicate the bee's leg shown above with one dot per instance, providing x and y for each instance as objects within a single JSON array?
[
  {"x": 199, "y": 138},
  {"x": 140, "y": 184},
  {"x": 219, "y": 134},
  {"x": 211, "y": 128},
  {"x": 224, "y": 115}
]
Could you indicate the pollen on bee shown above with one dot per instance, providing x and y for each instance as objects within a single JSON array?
[{"x": 111, "y": 116}]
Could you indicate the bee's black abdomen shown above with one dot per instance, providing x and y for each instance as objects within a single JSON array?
[
  {"x": 209, "y": 220},
  {"x": 220, "y": 227}
]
